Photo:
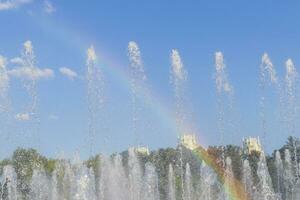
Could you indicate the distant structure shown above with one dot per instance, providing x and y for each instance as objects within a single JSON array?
[
  {"x": 189, "y": 141},
  {"x": 142, "y": 150},
  {"x": 251, "y": 145}
]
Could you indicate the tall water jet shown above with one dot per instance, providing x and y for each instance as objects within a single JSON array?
[
  {"x": 120, "y": 179},
  {"x": 4, "y": 86},
  {"x": 228, "y": 178},
  {"x": 29, "y": 63},
  {"x": 134, "y": 176},
  {"x": 291, "y": 86},
  {"x": 68, "y": 181},
  {"x": 39, "y": 186},
  {"x": 113, "y": 181},
  {"x": 279, "y": 173},
  {"x": 4, "y": 99},
  {"x": 178, "y": 79},
  {"x": 171, "y": 184},
  {"x": 54, "y": 186},
  {"x": 30, "y": 74},
  {"x": 288, "y": 175},
  {"x": 84, "y": 185},
  {"x": 247, "y": 179},
  {"x": 265, "y": 187},
  {"x": 207, "y": 181},
  {"x": 95, "y": 96},
  {"x": 224, "y": 94},
  {"x": 138, "y": 78},
  {"x": 188, "y": 192},
  {"x": 9, "y": 183},
  {"x": 268, "y": 76},
  {"x": 150, "y": 187}
]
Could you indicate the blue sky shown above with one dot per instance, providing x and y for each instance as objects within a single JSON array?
[{"x": 61, "y": 32}]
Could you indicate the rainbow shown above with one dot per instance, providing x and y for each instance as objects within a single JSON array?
[
  {"x": 78, "y": 40},
  {"x": 233, "y": 187}
]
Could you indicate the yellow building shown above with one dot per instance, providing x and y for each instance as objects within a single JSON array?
[
  {"x": 189, "y": 141},
  {"x": 142, "y": 150},
  {"x": 252, "y": 144}
]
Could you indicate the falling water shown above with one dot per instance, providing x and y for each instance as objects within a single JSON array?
[
  {"x": 268, "y": 76},
  {"x": 224, "y": 93},
  {"x": 150, "y": 187},
  {"x": 171, "y": 184},
  {"x": 265, "y": 186},
  {"x": 5, "y": 104},
  {"x": 54, "y": 186},
  {"x": 4, "y": 86},
  {"x": 207, "y": 181},
  {"x": 178, "y": 79},
  {"x": 288, "y": 180},
  {"x": 291, "y": 80},
  {"x": 279, "y": 173},
  {"x": 133, "y": 181},
  {"x": 29, "y": 63},
  {"x": 135, "y": 176},
  {"x": 95, "y": 87},
  {"x": 228, "y": 178},
  {"x": 10, "y": 178},
  {"x": 188, "y": 183},
  {"x": 247, "y": 179},
  {"x": 39, "y": 185},
  {"x": 138, "y": 78}
]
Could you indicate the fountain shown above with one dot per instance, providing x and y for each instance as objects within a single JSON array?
[
  {"x": 95, "y": 97},
  {"x": 182, "y": 173}
]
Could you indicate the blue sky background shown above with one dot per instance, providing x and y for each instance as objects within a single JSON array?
[{"x": 242, "y": 30}]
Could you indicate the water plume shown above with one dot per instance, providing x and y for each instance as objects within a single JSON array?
[
  {"x": 224, "y": 98},
  {"x": 5, "y": 103},
  {"x": 10, "y": 178},
  {"x": 178, "y": 79},
  {"x": 268, "y": 72},
  {"x": 95, "y": 97},
  {"x": 138, "y": 81},
  {"x": 247, "y": 179},
  {"x": 268, "y": 76},
  {"x": 4, "y": 82},
  {"x": 171, "y": 184},
  {"x": 279, "y": 173},
  {"x": 150, "y": 187},
  {"x": 265, "y": 186},
  {"x": 134, "y": 176},
  {"x": 222, "y": 82},
  {"x": 291, "y": 87},
  {"x": 188, "y": 191}
]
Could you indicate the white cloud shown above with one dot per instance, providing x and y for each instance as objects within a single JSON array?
[
  {"x": 22, "y": 116},
  {"x": 68, "y": 73},
  {"x": 48, "y": 7},
  {"x": 31, "y": 73},
  {"x": 12, "y": 4}
]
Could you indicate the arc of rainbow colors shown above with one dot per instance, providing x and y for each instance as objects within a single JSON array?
[
  {"x": 78, "y": 40},
  {"x": 233, "y": 187}
]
